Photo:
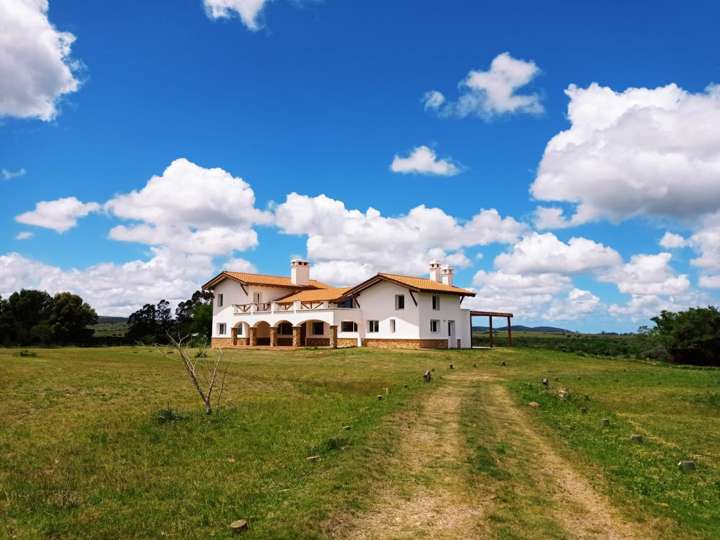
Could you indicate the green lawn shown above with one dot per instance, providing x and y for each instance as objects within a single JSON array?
[{"x": 82, "y": 453}]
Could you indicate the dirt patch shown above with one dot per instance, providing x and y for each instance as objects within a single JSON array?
[
  {"x": 426, "y": 495},
  {"x": 579, "y": 508}
]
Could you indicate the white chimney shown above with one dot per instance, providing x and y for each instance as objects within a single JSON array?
[
  {"x": 299, "y": 272},
  {"x": 446, "y": 272},
  {"x": 435, "y": 271}
]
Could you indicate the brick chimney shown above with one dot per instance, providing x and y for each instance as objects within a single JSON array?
[
  {"x": 446, "y": 274},
  {"x": 299, "y": 272},
  {"x": 435, "y": 271}
]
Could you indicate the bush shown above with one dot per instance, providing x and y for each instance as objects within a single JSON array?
[{"x": 692, "y": 336}]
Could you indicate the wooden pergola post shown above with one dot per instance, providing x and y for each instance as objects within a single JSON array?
[
  {"x": 492, "y": 339},
  {"x": 509, "y": 329}
]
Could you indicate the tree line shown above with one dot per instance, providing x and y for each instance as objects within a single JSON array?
[{"x": 33, "y": 317}]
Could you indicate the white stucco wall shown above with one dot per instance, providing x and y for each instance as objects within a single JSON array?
[{"x": 378, "y": 303}]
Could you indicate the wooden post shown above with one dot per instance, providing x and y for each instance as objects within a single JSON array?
[
  {"x": 509, "y": 332},
  {"x": 251, "y": 336},
  {"x": 492, "y": 339},
  {"x": 233, "y": 333},
  {"x": 333, "y": 336},
  {"x": 296, "y": 336},
  {"x": 273, "y": 336}
]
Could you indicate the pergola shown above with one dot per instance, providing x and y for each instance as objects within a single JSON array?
[{"x": 490, "y": 315}]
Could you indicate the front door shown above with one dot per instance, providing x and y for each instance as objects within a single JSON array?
[{"x": 451, "y": 335}]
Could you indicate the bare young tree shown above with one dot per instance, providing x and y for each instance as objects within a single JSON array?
[{"x": 203, "y": 372}]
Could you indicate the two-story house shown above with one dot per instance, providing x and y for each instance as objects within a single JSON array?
[{"x": 387, "y": 310}]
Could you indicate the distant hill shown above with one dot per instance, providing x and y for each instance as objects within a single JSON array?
[
  {"x": 106, "y": 319},
  {"x": 110, "y": 326},
  {"x": 521, "y": 328}
]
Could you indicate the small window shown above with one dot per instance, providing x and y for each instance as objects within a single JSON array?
[
  {"x": 373, "y": 327},
  {"x": 220, "y": 300},
  {"x": 392, "y": 326},
  {"x": 348, "y": 326},
  {"x": 436, "y": 302},
  {"x": 221, "y": 329},
  {"x": 256, "y": 298},
  {"x": 239, "y": 330},
  {"x": 399, "y": 301},
  {"x": 434, "y": 326},
  {"x": 318, "y": 328}
]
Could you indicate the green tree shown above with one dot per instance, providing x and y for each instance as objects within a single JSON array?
[
  {"x": 194, "y": 316},
  {"x": 69, "y": 319},
  {"x": 692, "y": 336},
  {"x": 7, "y": 328},
  {"x": 27, "y": 309},
  {"x": 142, "y": 325}
]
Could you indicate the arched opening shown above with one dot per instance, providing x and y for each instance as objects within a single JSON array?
[
  {"x": 314, "y": 333},
  {"x": 284, "y": 333},
  {"x": 240, "y": 333},
  {"x": 262, "y": 333}
]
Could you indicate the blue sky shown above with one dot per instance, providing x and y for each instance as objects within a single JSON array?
[{"x": 318, "y": 98}]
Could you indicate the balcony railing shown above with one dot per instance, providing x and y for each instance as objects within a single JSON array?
[{"x": 265, "y": 307}]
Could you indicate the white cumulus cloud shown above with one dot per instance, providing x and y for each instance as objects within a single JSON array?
[
  {"x": 346, "y": 244},
  {"x": 191, "y": 209},
  {"x": 672, "y": 241},
  {"x": 545, "y": 253},
  {"x": 59, "y": 215},
  {"x": 642, "y": 151},
  {"x": 7, "y": 174},
  {"x": 36, "y": 69},
  {"x": 422, "y": 160},
  {"x": 248, "y": 10},
  {"x": 490, "y": 93}
]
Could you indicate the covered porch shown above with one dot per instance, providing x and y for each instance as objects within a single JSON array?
[{"x": 490, "y": 315}]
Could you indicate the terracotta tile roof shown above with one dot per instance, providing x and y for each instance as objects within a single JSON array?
[
  {"x": 425, "y": 284},
  {"x": 315, "y": 295},
  {"x": 264, "y": 279}
]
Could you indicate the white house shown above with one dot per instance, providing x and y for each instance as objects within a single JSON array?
[{"x": 387, "y": 310}]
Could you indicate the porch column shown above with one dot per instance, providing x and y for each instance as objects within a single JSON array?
[
  {"x": 492, "y": 339},
  {"x": 333, "y": 336},
  {"x": 296, "y": 336},
  {"x": 233, "y": 333},
  {"x": 251, "y": 336},
  {"x": 273, "y": 336},
  {"x": 509, "y": 332}
]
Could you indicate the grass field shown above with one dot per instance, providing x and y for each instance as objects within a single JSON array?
[{"x": 84, "y": 454}]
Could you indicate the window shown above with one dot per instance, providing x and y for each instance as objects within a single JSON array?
[
  {"x": 221, "y": 328},
  {"x": 399, "y": 301},
  {"x": 318, "y": 328},
  {"x": 348, "y": 326},
  {"x": 220, "y": 300},
  {"x": 392, "y": 326},
  {"x": 436, "y": 302},
  {"x": 434, "y": 326},
  {"x": 373, "y": 327},
  {"x": 285, "y": 329},
  {"x": 239, "y": 330},
  {"x": 256, "y": 298},
  {"x": 347, "y": 303}
]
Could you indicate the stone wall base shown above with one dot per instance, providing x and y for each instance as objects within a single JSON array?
[
  {"x": 317, "y": 342},
  {"x": 406, "y": 343},
  {"x": 221, "y": 342},
  {"x": 346, "y": 342}
]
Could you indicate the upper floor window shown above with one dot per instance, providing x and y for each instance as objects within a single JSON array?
[
  {"x": 256, "y": 297},
  {"x": 221, "y": 328},
  {"x": 318, "y": 328},
  {"x": 220, "y": 300},
  {"x": 434, "y": 326},
  {"x": 436, "y": 302},
  {"x": 392, "y": 326},
  {"x": 373, "y": 327},
  {"x": 348, "y": 326},
  {"x": 399, "y": 301}
]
